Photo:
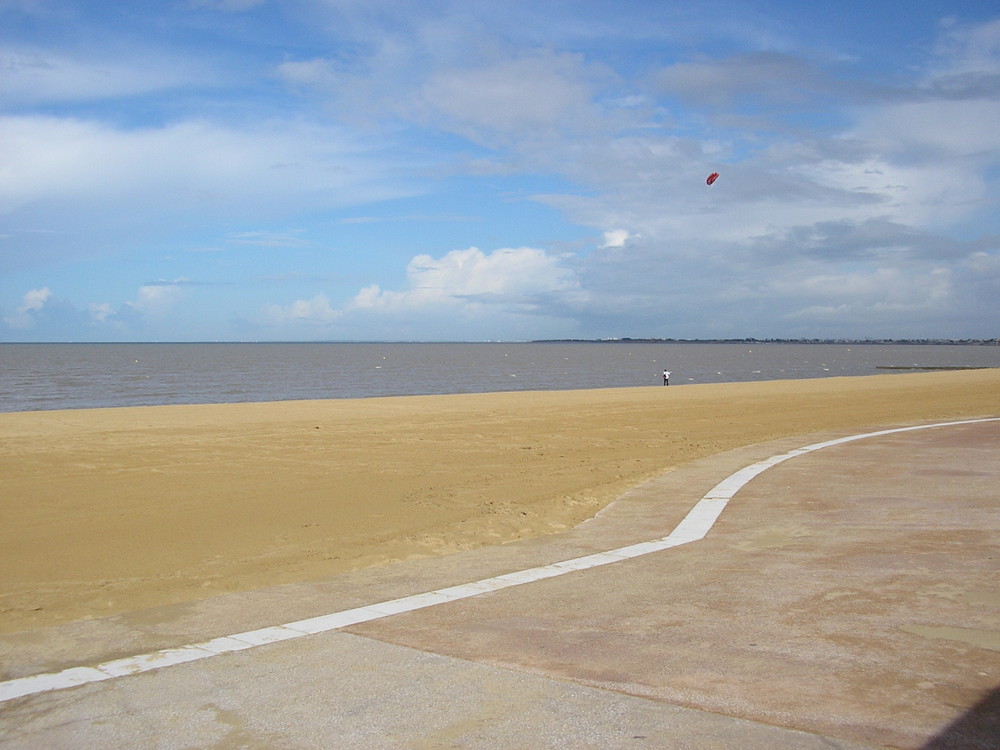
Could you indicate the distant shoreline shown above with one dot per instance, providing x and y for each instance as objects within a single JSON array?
[
  {"x": 846, "y": 342},
  {"x": 623, "y": 340}
]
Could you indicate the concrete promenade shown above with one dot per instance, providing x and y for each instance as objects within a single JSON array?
[{"x": 847, "y": 596}]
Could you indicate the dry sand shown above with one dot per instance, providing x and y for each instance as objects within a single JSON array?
[{"x": 112, "y": 510}]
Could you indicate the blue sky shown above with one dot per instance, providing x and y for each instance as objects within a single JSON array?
[{"x": 216, "y": 170}]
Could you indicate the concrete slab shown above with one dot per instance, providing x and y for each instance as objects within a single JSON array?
[
  {"x": 340, "y": 690},
  {"x": 846, "y": 597}
]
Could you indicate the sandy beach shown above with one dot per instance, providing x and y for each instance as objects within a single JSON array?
[{"x": 112, "y": 510}]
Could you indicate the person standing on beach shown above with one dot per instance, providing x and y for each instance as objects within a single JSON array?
[{"x": 666, "y": 377}]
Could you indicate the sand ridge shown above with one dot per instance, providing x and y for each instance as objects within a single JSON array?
[{"x": 112, "y": 510}]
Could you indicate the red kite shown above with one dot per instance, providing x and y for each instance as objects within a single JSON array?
[{"x": 712, "y": 178}]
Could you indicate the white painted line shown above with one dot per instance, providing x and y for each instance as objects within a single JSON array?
[
  {"x": 410, "y": 603},
  {"x": 643, "y": 548},
  {"x": 695, "y": 525},
  {"x": 168, "y": 657},
  {"x": 474, "y": 589},
  {"x": 531, "y": 574},
  {"x": 266, "y": 635},
  {"x": 334, "y": 621},
  {"x": 590, "y": 561},
  {"x": 224, "y": 645},
  {"x": 42, "y": 683}
]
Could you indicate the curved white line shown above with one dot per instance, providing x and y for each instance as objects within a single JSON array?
[{"x": 695, "y": 525}]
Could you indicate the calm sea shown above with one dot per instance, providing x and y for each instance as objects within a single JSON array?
[{"x": 77, "y": 376}]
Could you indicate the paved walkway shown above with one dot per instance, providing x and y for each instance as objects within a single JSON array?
[{"x": 847, "y": 596}]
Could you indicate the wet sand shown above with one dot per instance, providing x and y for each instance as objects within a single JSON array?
[{"x": 112, "y": 510}]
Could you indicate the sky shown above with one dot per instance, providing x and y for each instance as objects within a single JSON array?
[{"x": 498, "y": 170}]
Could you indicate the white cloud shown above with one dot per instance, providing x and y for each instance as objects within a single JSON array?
[
  {"x": 156, "y": 300},
  {"x": 33, "y": 302},
  {"x": 36, "y": 299},
  {"x": 35, "y": 76},
  {"x": 968, "y": 48},
  {"x": 617, "y": 238},
  {"x": 946, "y": 128},
  {"x": 192, "y": 164},
  {"x": 316, "y": 73},
  {"x": 264, "y": 238},
  {"x": 519, "y": 98},
  {"x": 99, "y": 311},
  {"x": 764, "y": 75},
  {"x": 877, "y": 296},
  {"x": 986, "y": 265},
  {"x": 108, "y": 190},
  {"x": 506, "y": 276},
  {"x": 162, "y": 310},
  {"x": 302, "y": 312},
  {"x": 460, "y": 286}
]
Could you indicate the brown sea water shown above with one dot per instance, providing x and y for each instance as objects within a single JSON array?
[{"x": 74, "y": 376}]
